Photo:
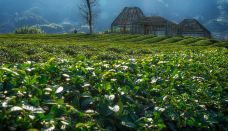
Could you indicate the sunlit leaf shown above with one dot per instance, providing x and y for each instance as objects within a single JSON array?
[{"x": 59, "y": 90}]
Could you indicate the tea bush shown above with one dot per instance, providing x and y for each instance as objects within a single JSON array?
[
  {"x": 178, "y": 91},
  {"x": 109, "y": 82}
]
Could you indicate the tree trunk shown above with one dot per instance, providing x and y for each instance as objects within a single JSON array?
[{"x": 89, "y": 17}]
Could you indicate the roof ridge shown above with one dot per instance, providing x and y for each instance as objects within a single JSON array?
[
  {"x": 195, "y": 20},
  {"x": 126, "y": 15}
]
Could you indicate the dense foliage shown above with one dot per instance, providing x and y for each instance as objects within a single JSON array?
[{"x": 113, "y": 82}]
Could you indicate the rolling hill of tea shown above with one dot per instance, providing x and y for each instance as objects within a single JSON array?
[
  {"x": 112, "y": 82},
  {"x": 20, "y": 48}
]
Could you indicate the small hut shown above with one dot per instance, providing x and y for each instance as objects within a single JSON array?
[{"x": 192, "y": 27}]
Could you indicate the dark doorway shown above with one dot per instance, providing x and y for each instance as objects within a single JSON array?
[
  {"x": 146, "y": 30},
  {"x": 123, "y": 29}
]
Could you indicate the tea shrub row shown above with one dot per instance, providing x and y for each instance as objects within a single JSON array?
[{"x": 177, "y": 91}]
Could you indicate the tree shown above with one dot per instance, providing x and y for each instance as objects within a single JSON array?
[{"x": 87, "y": 9}]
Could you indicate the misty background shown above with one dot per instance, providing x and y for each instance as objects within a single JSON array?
[{"x": 63, "y": 16}]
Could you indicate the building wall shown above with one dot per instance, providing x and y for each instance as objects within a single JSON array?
[
  {"x": 137, "y": 29},
  {"x": 172, "y": 30},
  {"x": 123, "y": 29},
  {"x": 158, "y": 30},
  {"x": 155, "y": 30}
]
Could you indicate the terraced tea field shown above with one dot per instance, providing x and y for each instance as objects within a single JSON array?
[
  {"x": 112, "y": 82},
  {"x": 19, "y": 48}
]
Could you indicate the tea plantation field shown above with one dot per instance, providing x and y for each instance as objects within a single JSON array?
[{"x": 112, "y": 82}]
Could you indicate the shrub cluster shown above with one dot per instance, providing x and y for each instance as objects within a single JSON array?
[{"x": 29, "y": 30}]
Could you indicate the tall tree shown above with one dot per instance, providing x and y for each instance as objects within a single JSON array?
[{"x": 87, "y": 9}]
